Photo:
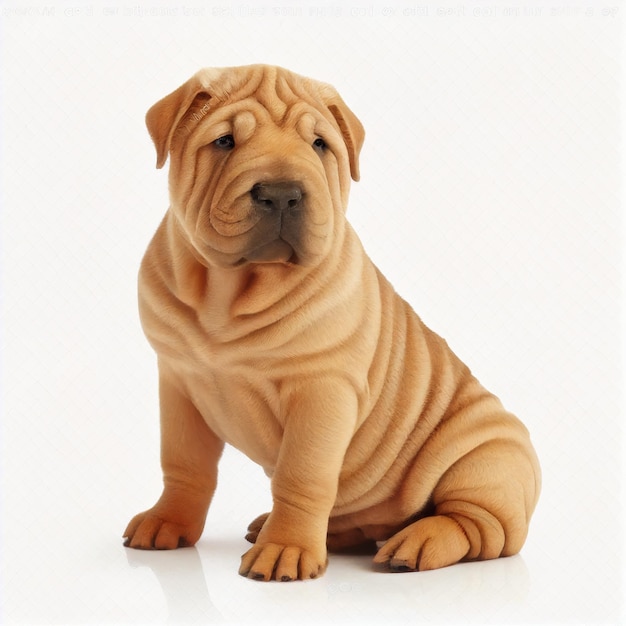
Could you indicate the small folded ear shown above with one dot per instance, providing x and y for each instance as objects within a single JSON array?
[
  {"x": 164, "y": 116},
  {"x": 351, "y": 129}
]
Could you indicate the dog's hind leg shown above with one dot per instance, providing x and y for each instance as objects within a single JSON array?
[{"x": 483, "y": 505}]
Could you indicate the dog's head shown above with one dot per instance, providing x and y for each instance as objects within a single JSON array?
[{"x": 260, "y": 163}]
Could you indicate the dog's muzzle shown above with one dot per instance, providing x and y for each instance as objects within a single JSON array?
[{"x": 281, "y": 205}]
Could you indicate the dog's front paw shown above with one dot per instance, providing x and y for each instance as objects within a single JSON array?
[
  {"x": 272, "y": 561},
  {"x": 156, "y": 530}
]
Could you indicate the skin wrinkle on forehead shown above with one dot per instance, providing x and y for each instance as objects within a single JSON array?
[
  {"x": 273, "y": 89},
  {"x": 245, "y": 124}
]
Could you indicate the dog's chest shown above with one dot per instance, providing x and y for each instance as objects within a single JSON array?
[
  {"x": 236, "y": 391},
  {"x": 241, "y": 407}
]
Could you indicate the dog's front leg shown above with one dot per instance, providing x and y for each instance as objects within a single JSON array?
[
  {"x": 189, "y": 455},
  {"x": 319, "y": 420}
]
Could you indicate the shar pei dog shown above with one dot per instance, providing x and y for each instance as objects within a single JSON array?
[{"x": 275, "y": 333}]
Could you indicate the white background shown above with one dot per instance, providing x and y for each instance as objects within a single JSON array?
[{"x": 490, "y": 196}]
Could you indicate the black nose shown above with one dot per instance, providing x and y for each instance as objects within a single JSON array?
[{"x": 276, "y": 196}]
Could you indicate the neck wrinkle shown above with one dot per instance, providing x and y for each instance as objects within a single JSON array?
[{"x": 234, "y": 302}]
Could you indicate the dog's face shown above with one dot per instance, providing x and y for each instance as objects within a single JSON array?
[{"x": 260, "y": 164}]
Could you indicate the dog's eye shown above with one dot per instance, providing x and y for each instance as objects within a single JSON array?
[
  {"x": 319, "y": 144},
  {"x": 227, "y": 142}
]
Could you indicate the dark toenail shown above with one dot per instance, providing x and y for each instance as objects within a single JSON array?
[
  {"x": 286, "y": 579},
  {"x": 401, "y": 568}
]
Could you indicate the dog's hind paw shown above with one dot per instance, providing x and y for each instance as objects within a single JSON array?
[
  {"x": 429, "y": 543},
  {"x": 254, "y": 528}
]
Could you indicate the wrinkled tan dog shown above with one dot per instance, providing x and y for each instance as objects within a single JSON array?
[{"x": 275, "y": 333}]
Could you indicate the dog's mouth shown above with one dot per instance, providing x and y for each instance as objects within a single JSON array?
[{"x": 276, "y": 251}]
